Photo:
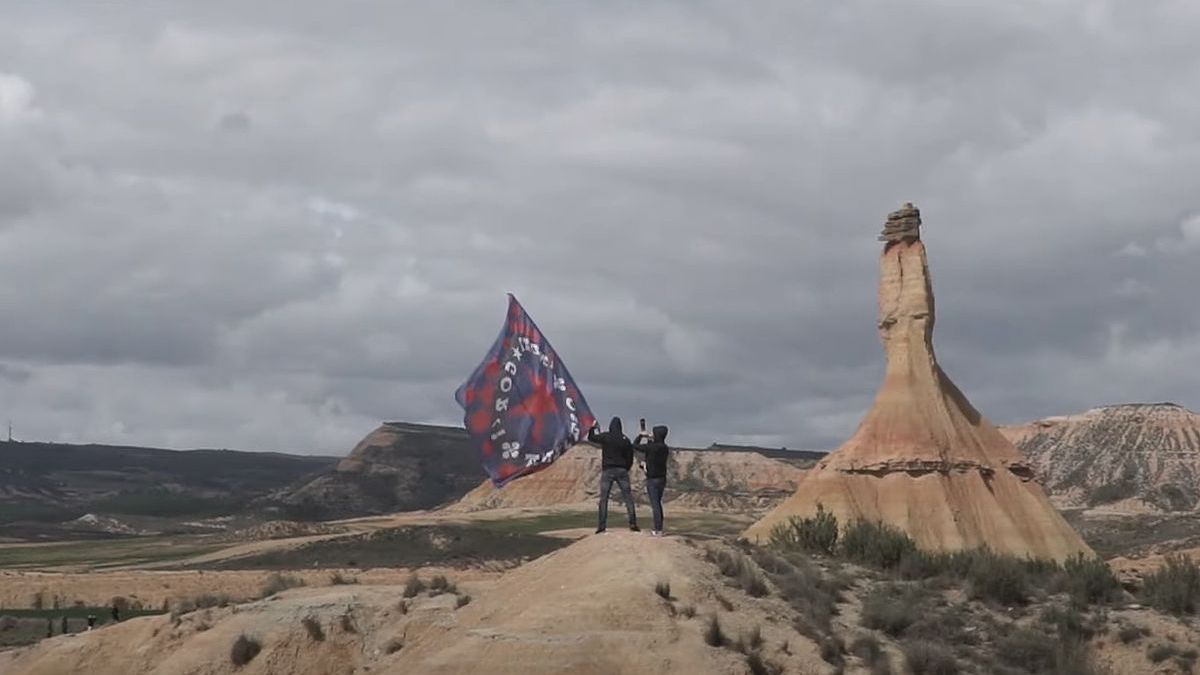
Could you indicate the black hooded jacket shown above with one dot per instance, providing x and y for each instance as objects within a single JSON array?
[
  {"x": 656, "y": 453},
  {"x": 616, "y": 451}
]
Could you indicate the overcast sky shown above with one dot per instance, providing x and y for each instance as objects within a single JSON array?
[{"x": 272, "y": 225}]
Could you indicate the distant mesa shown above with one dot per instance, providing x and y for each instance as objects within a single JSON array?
[
  {"x": 397, "y": 467},
  {"x": 923, "y": 459}
]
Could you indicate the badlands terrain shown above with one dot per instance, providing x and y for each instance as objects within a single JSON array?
[{"x": 931, "y": 541}]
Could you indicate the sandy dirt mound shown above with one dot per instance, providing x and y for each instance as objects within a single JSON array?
[
  {"x": 588, "y": 608},
  {"x": 699, "y": 478},
  {"x": 923, "y": 459}
]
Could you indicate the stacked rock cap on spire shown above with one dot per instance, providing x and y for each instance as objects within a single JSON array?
[
  {"x": 923, "y": 459},
  {"x": 904, "y": 223}
]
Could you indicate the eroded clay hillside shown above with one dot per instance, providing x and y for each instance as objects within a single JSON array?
[
  {"x": 744, "y": 481},
  {"x": 1135, "y": 457}
]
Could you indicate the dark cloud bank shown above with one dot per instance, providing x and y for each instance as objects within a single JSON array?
[{"x": 272, "y": 226}]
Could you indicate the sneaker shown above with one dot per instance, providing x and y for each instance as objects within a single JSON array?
[
  {"x": 599, "y": 530},
  {"x": 634, "y": 528}
]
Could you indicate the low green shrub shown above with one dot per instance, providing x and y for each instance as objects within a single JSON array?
[
  {"x": 803, "y": 586},
  {"x": 1160, "y": 652},
  {"x": 998, "y": 578},
  {"x": 930, "y": 658},
  {"x": 277, "y": 583},
  {"x": 413, "y": 586},
  {"x": 815, "y": 534},
  {"x": 440, "y": 584},
  {"x": 867, "y": 648},
  {"x": 314, "y": 629},
  {"x": 244, "y": 650},
  {"x": 1173, "y": 588},
  {"x": 891, "y": 610},
  {"x": 760, "y": 666},
  {"x": 714, "y": 636},
  {"x": 1129, "y": 633},
  {"x": 741, "y": 569},
  {"x": 1089, "y": 581},
  {"x": 876, "y": 545}
]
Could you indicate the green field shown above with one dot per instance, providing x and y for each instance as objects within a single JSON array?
[
  {"x": 412, "y": 546},
  {"x": 107, "y": 553},
  {"x": 513, "y": 537}
]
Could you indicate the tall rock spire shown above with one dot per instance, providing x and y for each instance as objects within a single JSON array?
[{"x": 923, "y": 459}]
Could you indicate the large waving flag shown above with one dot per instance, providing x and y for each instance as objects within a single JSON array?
[{"x": 522, "y": 409}]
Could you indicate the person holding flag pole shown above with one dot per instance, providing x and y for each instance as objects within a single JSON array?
[{"x": 616, "y": 458}]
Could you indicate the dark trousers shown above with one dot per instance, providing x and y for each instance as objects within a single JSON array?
[
  {"x": 655, "y": 487},
  {"x": 621, "y": 478}
]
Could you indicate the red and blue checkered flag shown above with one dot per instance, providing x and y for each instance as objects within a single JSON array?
[{"x": 522, "y": 409}]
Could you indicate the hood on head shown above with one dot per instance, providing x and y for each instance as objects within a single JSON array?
[
  {"x": 660, "y": 433},
  {"x": 614, "y": 427}
]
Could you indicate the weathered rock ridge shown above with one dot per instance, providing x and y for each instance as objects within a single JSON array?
[
  {"x": 703, "y": 478},
  {"x": 1135, "y": 457},
  {"x": 923, "y": 459}
]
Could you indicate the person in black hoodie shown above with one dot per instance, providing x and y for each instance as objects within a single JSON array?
[
  {"x": 616, "y": 454},
  {"x": 656, "y": 452}
]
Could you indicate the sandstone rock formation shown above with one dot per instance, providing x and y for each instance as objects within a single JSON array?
[
  {"x": 923, "y": 459},
  {"x": 1134, "y": 457},
  {"x": 902, "y": 224},
  {"x": 397, "y": 467},
  {"x": 743, "y": 481}
]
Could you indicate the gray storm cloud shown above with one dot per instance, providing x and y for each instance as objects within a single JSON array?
[{"x": 272, "y": 226}]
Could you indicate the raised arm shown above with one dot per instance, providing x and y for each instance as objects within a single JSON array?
[{"x": 639, "y": 443}]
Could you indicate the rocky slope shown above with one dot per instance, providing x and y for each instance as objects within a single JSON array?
[
  {"x": 1135, "y": 457},
  {"x": 923, "y": 459},
  {"x": 588, "y": 608},
  {"x": 740, "y": 480},
  {"x": 627, "y": 604},
  {"x": 397, "y": 467}
]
